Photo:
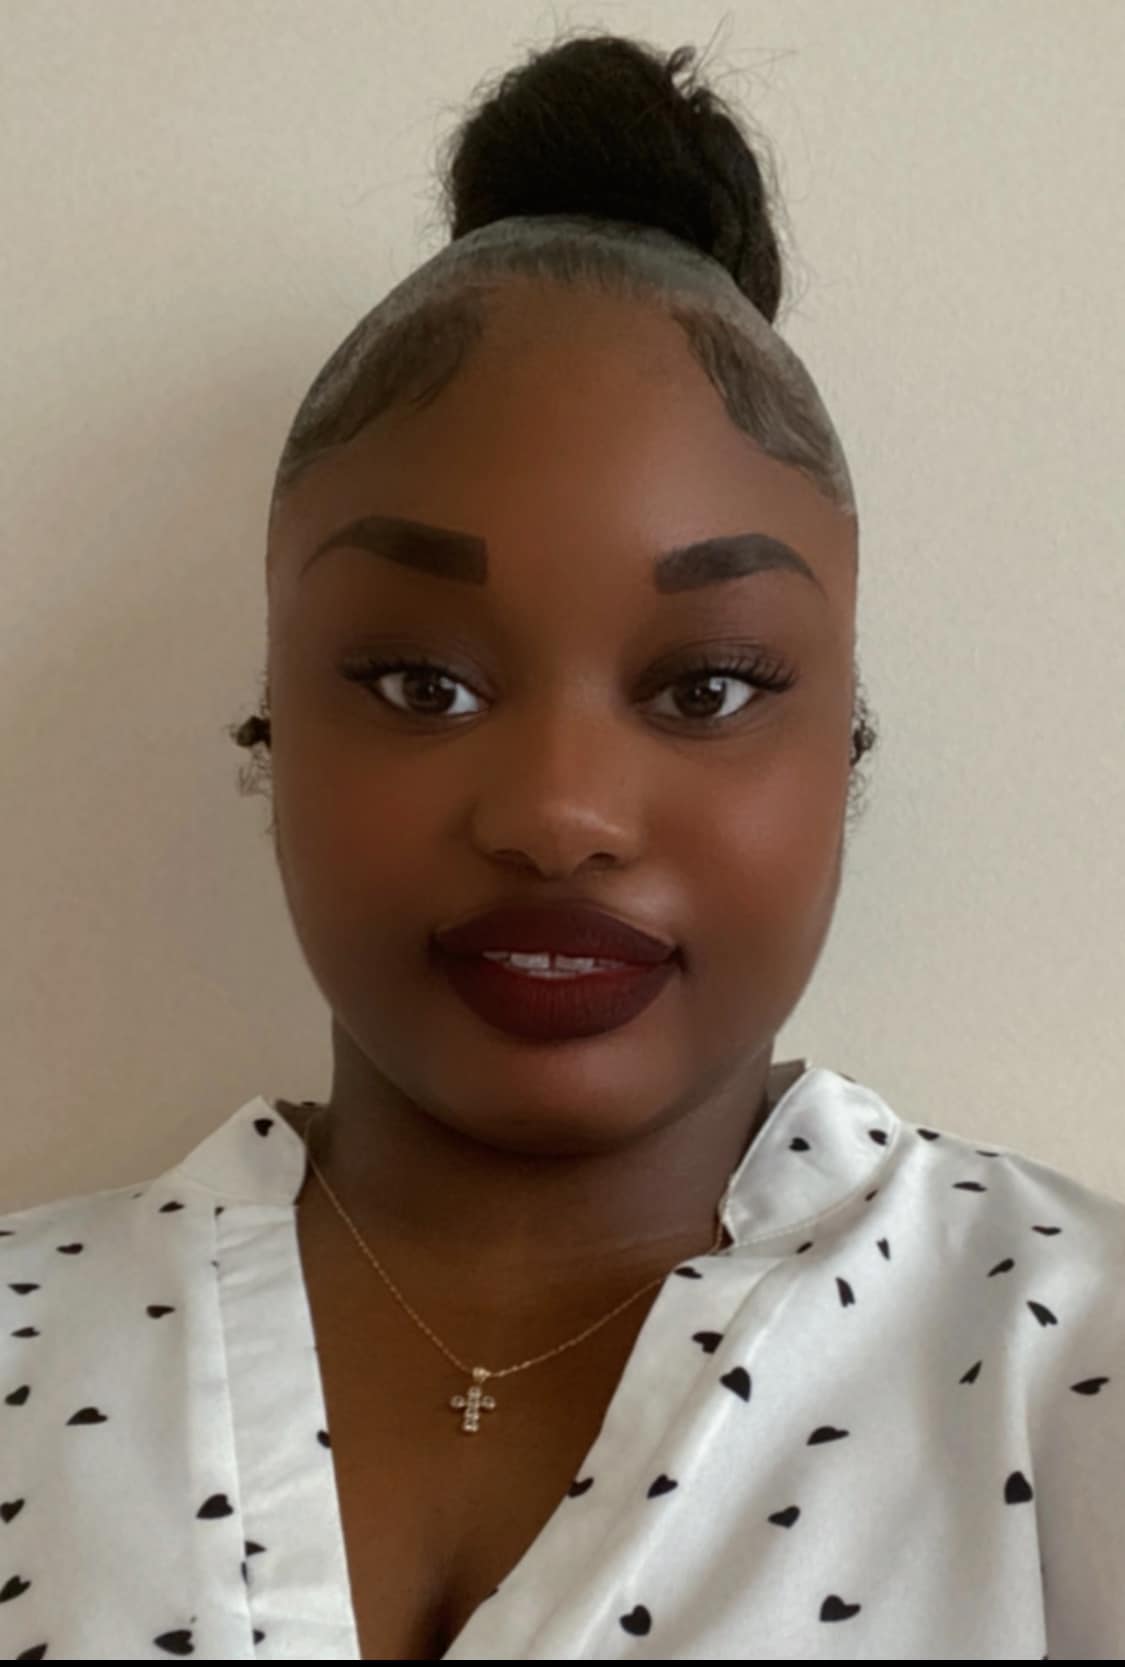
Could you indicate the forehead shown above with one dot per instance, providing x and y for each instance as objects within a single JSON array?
[{"x": 580, "y": 429}]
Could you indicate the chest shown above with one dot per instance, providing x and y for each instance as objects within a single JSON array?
[{"x": 434, "y": 1518}]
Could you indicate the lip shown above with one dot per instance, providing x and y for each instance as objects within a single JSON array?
[
  {"x": 554, "y": 1009},
  {"x": 555, "y": 928}
]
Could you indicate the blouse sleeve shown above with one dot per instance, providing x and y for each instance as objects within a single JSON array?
[{"x": 1078, "y": 1445}]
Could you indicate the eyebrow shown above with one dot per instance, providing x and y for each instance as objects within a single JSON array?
[{"x": 448, "y": 554}]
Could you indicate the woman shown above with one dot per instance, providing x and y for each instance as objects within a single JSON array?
[{"x": 570, "y": 1326}]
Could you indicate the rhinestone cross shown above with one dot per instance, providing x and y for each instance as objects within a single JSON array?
[{"x": 472, "y": 1402}]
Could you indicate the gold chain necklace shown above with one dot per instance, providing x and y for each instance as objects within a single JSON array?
[{"x": 474, "y": 1401}]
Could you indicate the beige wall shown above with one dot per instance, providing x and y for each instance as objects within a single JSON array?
[{"x": 198, "y": 202}]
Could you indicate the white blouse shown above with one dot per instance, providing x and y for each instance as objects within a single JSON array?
[{"x": 888, "y": 1422}]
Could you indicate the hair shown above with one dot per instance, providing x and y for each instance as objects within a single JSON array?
[{"x": 591, "y": 129}]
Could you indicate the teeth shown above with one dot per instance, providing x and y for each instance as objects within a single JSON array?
[{"x": 553, "y": 966}]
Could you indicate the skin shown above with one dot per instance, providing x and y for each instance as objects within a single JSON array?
[{"x": 515, "y": 1189}]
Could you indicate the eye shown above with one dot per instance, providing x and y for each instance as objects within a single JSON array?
[
  {"x": 409, "y": 673},
  {"x": 759, "y": 672}
]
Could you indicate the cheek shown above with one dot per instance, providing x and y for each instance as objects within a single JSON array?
[
  {"x": 350, "y": 851},
  {"x": 760, "y": 861},
  {"x": 760, "y": 885}
]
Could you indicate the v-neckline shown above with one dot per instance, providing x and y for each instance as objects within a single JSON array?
[
  {"x": 630, "y": 1388},
  {"x": 632, "y": 1384},
  {"x": 707, "y": 1306}
]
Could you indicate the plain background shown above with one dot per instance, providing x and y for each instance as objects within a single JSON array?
[{"x": 200, "y": 200}]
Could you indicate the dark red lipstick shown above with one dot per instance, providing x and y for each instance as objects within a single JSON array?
[{"x": 551, "y": 1003}]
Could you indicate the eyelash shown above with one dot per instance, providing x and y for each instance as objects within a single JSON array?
[{"x": 769, "y": 675}]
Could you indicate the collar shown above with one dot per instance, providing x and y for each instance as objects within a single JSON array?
[{"x": 826, "y": 1140}]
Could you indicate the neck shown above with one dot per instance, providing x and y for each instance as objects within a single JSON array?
[{"x": 467, "y": 1228}]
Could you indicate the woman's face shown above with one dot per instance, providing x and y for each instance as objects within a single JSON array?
[{"x": 565, "y": 747}]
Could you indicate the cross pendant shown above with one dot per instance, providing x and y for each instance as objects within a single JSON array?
[{"x": 473, "y": 1401}]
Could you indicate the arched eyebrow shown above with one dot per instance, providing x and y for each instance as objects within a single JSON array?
[{"x": 463, "y": 557}]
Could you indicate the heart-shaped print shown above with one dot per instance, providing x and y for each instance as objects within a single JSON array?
[
  {"x": 177, "y": 1642},
  {"x": 662, "y": 1484},
  {"x": 835, "y": 1609},
  {"x": 1017, "y": 1489},
  {"x": 638, "y": 1621},
  {"x": 218, "y": 1505},
  {"x": 707, "y": 1340}
]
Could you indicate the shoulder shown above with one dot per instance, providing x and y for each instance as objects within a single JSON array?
[
  {"x": 38, "y": 1242},
  {"x": 1054, "y": 1243},
  {"x": 1016, "y": 1183},
  {"x": 37, "y": 1223}
]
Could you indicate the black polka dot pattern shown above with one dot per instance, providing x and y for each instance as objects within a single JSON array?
[{"x": 887, "y": 1422}]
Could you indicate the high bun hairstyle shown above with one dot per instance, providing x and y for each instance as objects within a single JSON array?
[
  {"x": 590, "y": 142},
  {"x": 599, "y": 127}
]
